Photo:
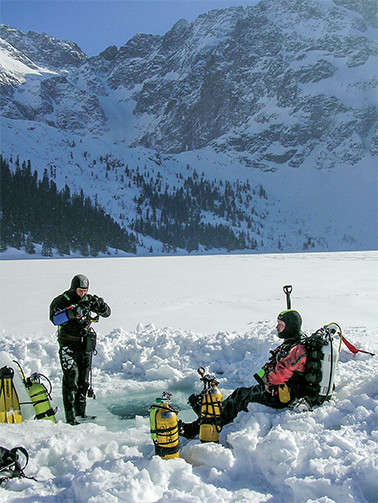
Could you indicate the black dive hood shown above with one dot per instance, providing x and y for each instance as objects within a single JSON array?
[
  {"x": 79, "y": 281},
  {"x": 293, "y": 324}
]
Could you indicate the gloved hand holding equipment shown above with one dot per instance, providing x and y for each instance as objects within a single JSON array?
[{"x": 98, "y": 305}]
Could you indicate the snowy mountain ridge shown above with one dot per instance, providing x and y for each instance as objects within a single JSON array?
[{"x": 237, "y": 94}]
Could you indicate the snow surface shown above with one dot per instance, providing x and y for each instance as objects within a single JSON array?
[{"x": 171, "y": 315}]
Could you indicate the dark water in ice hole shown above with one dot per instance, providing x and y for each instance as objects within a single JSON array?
[{"x": 138, "y": 404}]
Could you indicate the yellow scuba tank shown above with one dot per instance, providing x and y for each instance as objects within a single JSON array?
[
  {"x": 211, "y": 408},
  {"x": 40, "y": 397},
  {"x": 164, "y": 427}
]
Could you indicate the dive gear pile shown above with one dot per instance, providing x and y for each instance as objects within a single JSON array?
[
  {"x": 11, "y": 406},
  {"x": 210, "y": 418},
  {"x": 10, "y": 465},
  {"x": 164, "y": 427}
]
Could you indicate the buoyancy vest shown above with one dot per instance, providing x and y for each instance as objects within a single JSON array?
[{"x": 286, "y": 367}]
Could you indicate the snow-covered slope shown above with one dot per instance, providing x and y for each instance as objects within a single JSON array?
[
  {"x": 282, "y": 94},
  {"x": 171, "y": 315}
]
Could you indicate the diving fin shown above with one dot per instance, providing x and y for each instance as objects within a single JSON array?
[{"x": 10, "y": 411}]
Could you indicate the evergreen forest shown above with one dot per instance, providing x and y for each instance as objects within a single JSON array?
[
  {"x": 192, "y": 214},
  {"x": 175, "y": 215},
  {"x": 34, "y": 211}
]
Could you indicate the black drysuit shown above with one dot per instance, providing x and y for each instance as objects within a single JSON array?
[{"x": 77, "y": 341}]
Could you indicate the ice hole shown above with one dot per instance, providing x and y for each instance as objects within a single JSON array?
[{"x": 139, "y": 404}]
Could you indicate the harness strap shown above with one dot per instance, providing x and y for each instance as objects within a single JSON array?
[
  {"x": 71, "y": 338},
  {"x": 48, "y": 413},
  {"x": 165, "y": 430}
]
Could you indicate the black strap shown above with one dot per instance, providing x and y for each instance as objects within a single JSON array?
[
  {"x": 166, "y": 432},
  {"x": 48, "y": 413},
  {"x": 18, "y": 471}
]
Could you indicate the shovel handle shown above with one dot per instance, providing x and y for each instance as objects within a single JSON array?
[{"x": 287, "y": 291}]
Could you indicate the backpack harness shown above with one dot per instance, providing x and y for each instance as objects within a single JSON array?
[{"x": 10, "y": 466}]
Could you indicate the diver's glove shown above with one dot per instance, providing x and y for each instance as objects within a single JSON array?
[{"x": 98, "y": 305}]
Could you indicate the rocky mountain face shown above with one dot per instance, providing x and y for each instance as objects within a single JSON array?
[{"x": 241, "y": 78}]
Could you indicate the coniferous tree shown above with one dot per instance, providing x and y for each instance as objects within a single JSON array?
[
  {"x": 29, "y": 246},
  {"x": 3, "y": 244},
  {"x": 46, "y": 250}
]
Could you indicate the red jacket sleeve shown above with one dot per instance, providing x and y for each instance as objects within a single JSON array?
[{"x": 295, "y": 361}]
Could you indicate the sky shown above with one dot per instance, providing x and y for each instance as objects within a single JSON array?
[{"x": 97, "y": 24}]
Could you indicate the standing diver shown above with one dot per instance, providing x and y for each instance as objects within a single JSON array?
[{"x": 71, "y": 312}]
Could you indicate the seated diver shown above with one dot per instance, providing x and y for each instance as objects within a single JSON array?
[{"x": 281, "y": 381}]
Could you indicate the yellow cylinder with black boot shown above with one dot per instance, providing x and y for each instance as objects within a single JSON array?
[
  {"x": 164, "y": 428},
  {"x": 211, "y": 408}
]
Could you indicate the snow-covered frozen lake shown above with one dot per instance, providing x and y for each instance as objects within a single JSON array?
[{"x": 171, "y": 315}]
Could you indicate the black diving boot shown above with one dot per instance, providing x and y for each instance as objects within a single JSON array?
[
  {"x": 80, "y": 411},
  {"x": 71, "y": 419}
]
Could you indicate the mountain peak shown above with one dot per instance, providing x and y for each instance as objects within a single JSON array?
[{"x": 43, "y": 49}]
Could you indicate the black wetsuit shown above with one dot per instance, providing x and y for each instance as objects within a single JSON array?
[{"x": 77, "y": 341}]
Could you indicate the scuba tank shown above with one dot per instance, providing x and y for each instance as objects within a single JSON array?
[
  {"x": 164, "y": 427},
  {"x": 39, "y": 395},
  {"x": 211, "y": 408},
  {"x": 322, "y": 358},
  {"x": 331, "y": 353}
]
